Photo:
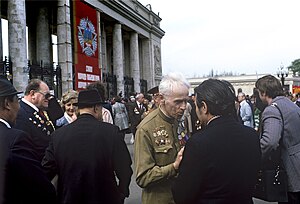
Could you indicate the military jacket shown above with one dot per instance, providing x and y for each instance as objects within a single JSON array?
[{"x": 156, "y": 148}]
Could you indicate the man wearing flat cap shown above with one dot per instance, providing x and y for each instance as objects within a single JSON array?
[
  {"x": 155, "y": 97},
  {"x": 87, "y": 155},
  {"x": 21, "y": 177}
]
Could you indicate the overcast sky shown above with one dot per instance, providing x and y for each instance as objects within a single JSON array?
[{"x": 243, "y": 37}]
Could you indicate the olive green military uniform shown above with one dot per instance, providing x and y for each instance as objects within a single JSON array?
[{"x": 156, "y": 147}]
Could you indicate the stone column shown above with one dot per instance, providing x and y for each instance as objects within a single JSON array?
[
  {"x": 118, "y": 57},
  {"x": 104, "y": 51},
  {"x": 64, "y": 46},
  {"x": 32, "y": 43},
  {"x": 43, "y": 38},
  {"x": 147, "y": 60},
  {"x": 17, "y": 43},
  {"x": 134, "y": 61}
]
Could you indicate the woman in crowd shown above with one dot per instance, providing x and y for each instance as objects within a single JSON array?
[
  {"x": 120, "y": 114},
  {"x": 70, "y": 111}
]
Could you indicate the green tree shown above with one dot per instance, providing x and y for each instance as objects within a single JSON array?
[{"x": 295, "y": 66}]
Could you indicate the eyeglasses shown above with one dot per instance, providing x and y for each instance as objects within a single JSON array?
[{"x": 46, "y": 95}]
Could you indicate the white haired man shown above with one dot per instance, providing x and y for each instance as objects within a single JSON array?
[{"x": 157, "y": 147}]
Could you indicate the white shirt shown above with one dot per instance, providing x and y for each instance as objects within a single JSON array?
[
  {"x": 5, "y": 123},
  {"x": 30, "y": 104}
]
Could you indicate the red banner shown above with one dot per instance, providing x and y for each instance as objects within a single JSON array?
[
  {"x": 86, "y": 45},
  {"x": 296, "y": 89}
]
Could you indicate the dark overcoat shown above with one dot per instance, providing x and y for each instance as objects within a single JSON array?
[
  {"x": 88, "y": 155},
  {"x": 36, "y": 126},
  {"x": 219, "y": 165},
  {"x": 135, "y": 115},
  {"x": 22, "y": 180}
]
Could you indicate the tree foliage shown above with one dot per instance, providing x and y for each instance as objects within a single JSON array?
[{"x": 295, "y": 66}]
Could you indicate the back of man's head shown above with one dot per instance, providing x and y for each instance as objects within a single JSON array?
[
  {"x": 270, "y": 86},
  {"x": 218, "y": 95}
]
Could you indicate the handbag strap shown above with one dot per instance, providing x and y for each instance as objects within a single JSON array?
[
  {"x": 278, "y": 159},
  {"x": 281, "y": 115}
]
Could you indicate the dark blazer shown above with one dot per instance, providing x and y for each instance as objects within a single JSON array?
[
  {"x": 22, "y": 179},
  {"x": 86, "y": 155},
  {"x": 35, "y": 126},
  {"x": 135, "y": 115},
  {"x": 219, "y": 165}
]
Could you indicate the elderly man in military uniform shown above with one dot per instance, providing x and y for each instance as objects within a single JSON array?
[{"x": 157, "y": 147}]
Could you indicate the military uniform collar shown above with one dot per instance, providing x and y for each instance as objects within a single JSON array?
[{"x": 166, "y": 118}]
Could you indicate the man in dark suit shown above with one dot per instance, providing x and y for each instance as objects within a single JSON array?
[
  {"x": 135, "y": 112},
  {"x": 220, "y": 162},
  {"x": 88, "y": 155},
  {"x": 31, "y": 118},
  {"x": 21, "y": 177}
]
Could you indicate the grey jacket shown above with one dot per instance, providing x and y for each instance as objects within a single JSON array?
[{"x": 271, "y": 134}]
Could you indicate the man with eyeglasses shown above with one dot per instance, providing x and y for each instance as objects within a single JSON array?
[
  {"x": 22, "y": 179},
  {"x": 31, "y": 118}
]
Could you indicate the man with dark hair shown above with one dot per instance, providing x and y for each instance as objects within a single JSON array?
[
  {"x": 220, "y": 162},
  {"x": 21, "y": 177},
  {"x": 88, "y": 155},
  {"x": 271, "y": 93}
]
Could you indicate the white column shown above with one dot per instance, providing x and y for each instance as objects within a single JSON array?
[
  {"x": 134, "y": 61},
  {"x": 64, "y": 46},
  {"x": 43, "y": 38},
  {"x": 104, "y": 51},
  {"x": 147, "y": 60},
  {"x": 118, "y": 57},
  {"x": 17, "y": 43}
]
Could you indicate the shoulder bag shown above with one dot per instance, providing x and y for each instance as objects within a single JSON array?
[{"x": 271, "y": 184}]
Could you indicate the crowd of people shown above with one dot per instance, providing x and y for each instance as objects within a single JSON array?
[{"x": 201, "y": 148}]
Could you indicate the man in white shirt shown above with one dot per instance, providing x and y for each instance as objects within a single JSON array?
[{"x": 245, "y": 110}]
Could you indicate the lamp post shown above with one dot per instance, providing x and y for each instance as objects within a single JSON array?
[{"x": 282, "y": 74}]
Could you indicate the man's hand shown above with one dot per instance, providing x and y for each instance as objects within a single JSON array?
[{"x": 178, "y": 159}]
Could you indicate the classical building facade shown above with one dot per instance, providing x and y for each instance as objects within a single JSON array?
[
  {"x": 247, "y": 82},
  {"x": 116, "y": 42}
]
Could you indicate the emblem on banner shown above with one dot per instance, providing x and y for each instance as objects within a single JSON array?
[{"x": 87, "y": 36}]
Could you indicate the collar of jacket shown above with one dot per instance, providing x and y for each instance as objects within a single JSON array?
[
  {"x": 221, "y": 120},
  {"x": 166, "y": 118},
  {"x": 86, "y": 115}
]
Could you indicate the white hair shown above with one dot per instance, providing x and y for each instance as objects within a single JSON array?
[{"x": 171, "y": 82}]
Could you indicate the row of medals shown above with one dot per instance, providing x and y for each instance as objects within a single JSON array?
[{"x": 39, "y": 125}]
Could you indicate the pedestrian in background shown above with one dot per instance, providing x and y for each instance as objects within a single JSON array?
[
  {"x": 157, "y": 152},
  {"x": 88, "y": 156},
  {"x": 220, "y": 162},
  {"x": 22, "y": 180},
  {"x": 106, "y": 106},
  {"x": 120, "y": 115},
  {"x": 271, "y": 93},
  {"x": 245, "y": 110},
  {"x": 135, "y": 112}
]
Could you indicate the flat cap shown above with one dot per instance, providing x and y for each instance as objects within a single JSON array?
[
  {"x": 6, "y": 87},
  {"x": 153, "y": 91}
]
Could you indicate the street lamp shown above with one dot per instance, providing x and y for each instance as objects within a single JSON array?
[{"x": 282, "y": 74}]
